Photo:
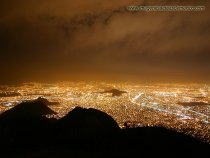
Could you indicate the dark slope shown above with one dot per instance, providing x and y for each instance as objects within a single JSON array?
[{"x": 26, "y": 132}]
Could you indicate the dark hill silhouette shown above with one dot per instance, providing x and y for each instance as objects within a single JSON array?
[
  {"x": 193, "y": 103},
  {"x": 25, "y": 110},
  {"x": 86, "y": 124},
  {"x": 46, "y": 102},
  {"x": 114, "y": 92},
  {"x": 158, "y": 136},
  {"x": 24, "y": 125},
  {"x": 26, "y": 132}
]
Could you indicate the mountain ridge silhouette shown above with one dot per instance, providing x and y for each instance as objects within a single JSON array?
[{"x": 25, "y": 131}]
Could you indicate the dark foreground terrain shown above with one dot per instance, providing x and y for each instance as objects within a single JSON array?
[{"x": 26, "y": 132}]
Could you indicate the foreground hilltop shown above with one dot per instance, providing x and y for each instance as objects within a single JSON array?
[{"x": 25, "y": 131}]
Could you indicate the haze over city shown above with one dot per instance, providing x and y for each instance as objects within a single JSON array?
[{"x": 92, "y": 40}]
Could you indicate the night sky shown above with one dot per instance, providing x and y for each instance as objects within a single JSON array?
[{"x": 102, "y": 40}]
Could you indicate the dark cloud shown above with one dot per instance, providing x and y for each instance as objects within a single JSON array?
[{"x": 103, "y": 37}]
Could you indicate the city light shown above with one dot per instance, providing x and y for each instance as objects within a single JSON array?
[{"x": 142, "y": 105}]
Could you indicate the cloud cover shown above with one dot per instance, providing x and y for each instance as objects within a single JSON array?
[{"x": 74, "y": 37}]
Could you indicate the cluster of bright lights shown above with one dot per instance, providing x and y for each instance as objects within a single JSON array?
[{"x": 142, "y": 105}]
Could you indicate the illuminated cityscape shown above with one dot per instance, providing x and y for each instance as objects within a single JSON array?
[{"x": 185, "y": 108}]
